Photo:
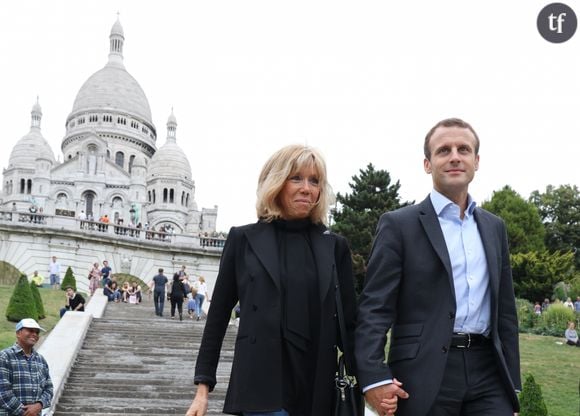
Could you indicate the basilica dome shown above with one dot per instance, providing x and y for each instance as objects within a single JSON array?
[{"x": 113, "y": 88}]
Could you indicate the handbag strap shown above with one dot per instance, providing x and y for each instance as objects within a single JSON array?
[{"x": 342, "y": 325}]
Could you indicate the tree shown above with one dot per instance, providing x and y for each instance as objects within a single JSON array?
[
  {"x": 69, "y": 280},
  {"x": 535, "y": 274},
  {"x": 357, "y": 213},
  {"x": 531, "y": 399},
  {"x": 37, "y": 301},
  {"x": 524, "y": 226},
  {"x": 559, "y": 210},
  {"x": 21, "y": 304}
]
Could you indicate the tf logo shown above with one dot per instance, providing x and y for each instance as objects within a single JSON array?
[{"x": 557, "y": 22}]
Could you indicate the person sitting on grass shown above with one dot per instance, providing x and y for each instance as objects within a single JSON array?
[
  {"x": 571, "y": 335},
  {"x": 74, "y": 302}
]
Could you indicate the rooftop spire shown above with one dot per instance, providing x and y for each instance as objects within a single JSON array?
[
  {"x": 171, "y": 127},
  {"x": 36, "y": 115},
  {"x": 116, "y": 40}
]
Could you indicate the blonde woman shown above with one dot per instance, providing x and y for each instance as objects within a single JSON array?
[{"x": 281, "y": 270}]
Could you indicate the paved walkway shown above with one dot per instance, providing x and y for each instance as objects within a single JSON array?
[{"x": 133, "y": 362}]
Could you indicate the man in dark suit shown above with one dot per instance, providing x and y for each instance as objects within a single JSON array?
[{"x": 439, "y": 278}]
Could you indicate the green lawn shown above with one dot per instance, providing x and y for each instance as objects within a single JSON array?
[
  {"x": 555, "y": 367},
  {"x": 53, "y": 300}
]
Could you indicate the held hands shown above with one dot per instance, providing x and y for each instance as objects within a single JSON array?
[
  {"x": 383, "y": 399},
  {"x": 199, "y": 405}
]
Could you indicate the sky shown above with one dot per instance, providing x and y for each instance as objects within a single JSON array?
[{"x": 361, "y": 81}]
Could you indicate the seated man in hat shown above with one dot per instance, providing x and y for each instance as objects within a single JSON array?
[{"x": 25, "y": 385}]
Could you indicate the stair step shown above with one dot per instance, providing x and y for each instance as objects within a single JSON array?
[{"x": 133, "y": 362}]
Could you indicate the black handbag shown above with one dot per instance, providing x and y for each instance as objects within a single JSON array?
[{"x": 348, "y": 400}]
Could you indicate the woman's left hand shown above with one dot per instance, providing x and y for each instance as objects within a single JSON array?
[{"x": 199, "y": 405}]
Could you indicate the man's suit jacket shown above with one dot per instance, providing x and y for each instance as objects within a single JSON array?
[
  {"x": 249, "y": 272},
  {"x": 409, "y": 289}
]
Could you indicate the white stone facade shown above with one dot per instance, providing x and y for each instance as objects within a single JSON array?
[{"x": 110, "y": 162}]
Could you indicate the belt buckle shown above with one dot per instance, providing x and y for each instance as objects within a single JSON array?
[{"x": 468, "y": 340}]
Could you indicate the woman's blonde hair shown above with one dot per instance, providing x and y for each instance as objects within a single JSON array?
[{"x": 283, "y": 164}]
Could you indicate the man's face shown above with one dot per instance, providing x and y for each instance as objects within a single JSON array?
[
  {"x": 27, "y": 337},
  {"x": 453, "y": 160},
  {"x": 105, "y": 263},
  {"x": 70, "y": 293},
  {"x": 53, "y": 259}
]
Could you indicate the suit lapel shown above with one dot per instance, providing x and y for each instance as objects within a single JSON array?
[
  {"x": 432, "y": 228},
  {"x": 262, "y": 239},
  {"x": 323, "y": 250}
]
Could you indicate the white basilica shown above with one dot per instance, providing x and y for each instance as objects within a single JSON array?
[{"x": 111, "y": 165}]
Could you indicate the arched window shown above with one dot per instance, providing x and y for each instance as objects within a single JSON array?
[
  {"x": 120, "y": 159},
  {"x": 117, "y": 203},
  {"x": 187, "y": 200},
  {"x": 171, "y": 194},
  {"x": 89, "y": 198},
  {"x": 29, "y": 186},
  {"x": 164, "y": 194},
  {"x": 182, "y": 197},
  {"x": 154, "y": 196},
  {"x": 149, "y": 196},
  {"x": 22, "y": 185},
  {"x": 131, "y": 160}
]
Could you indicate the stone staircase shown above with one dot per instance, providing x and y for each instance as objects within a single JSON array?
[{"x": 134, "y": 362}]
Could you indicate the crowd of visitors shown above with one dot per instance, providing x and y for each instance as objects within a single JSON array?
[{"x": 179, "y": 290}]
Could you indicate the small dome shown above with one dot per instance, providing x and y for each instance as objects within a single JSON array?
[
  {"x": 169, "y": 162},
  {"x": 36, "y": 108},
  {"x": 172, "y": 119},
  {"x": 28, "y": 149},
  {"x": 32, "y": 146},
  {"x": 117, "y": 29}
]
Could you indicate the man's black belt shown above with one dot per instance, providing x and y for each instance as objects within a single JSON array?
[{"x": 466, "y": 340}]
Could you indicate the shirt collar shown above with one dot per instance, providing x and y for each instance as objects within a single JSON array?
[
  {"x": 18, "y": 349},
  {"x": 440, "y": 202}
]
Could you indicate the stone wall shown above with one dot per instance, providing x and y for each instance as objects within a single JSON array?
[{"x": 29, "y": 247}]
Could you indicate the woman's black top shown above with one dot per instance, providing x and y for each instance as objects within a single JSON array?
[{"x": 300, "y": 313}]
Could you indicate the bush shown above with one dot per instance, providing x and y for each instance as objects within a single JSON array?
[
  {"x": 21, "y": 304},
  {"x": 121, "y": 278},
  {"x": 526, "y": 314},
  {"x": 69, "y": 280},
  {"x": 37, "y": 301},
  {"x": 562, "y": 290},
  {"x": 9, "y": 274},
  {"x": 575, "y": 286},
  {"x": 531, "y": 400},
  {"x": 557, "y": 316}
]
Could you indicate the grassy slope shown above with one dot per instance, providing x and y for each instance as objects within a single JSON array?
[{"x": 53, "y": 300}]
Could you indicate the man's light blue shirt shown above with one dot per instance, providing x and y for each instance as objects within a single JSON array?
[{"x": 468, "y": 264}]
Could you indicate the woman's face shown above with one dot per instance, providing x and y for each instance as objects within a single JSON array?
[{"x": 299, "y": 194}]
